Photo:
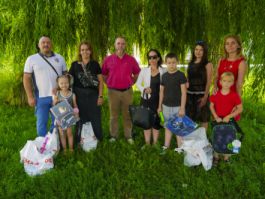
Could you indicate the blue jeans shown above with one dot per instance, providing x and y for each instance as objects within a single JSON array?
[{"x": 42, "y": 112}]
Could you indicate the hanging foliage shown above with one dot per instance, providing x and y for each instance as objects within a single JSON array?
[{"x": 172, "y": 25}]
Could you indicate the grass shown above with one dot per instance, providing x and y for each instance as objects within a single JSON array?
[{"x": 120, "y": 170}]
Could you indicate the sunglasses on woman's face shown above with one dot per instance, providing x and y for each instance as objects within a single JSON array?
[{"x": 152, "y": 57}]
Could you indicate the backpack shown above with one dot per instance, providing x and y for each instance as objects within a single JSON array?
[{"x": 224, "y": 134}]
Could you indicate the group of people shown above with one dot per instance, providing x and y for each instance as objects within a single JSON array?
[{"x": 165, "y": 90}]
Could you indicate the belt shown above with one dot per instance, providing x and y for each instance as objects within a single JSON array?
[
  {"x": 195, "y": 92},
  {"x": 121, "y": 90}
]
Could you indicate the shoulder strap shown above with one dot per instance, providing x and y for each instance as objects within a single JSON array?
[{"x": 49, "y": 64}]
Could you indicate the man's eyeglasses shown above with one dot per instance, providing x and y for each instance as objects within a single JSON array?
[{"x": 152, "y": 57}]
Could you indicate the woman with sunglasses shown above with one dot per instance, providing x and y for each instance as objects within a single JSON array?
[
  {"x": 199, "y": 74},
  {"x": 88, "y": 87},
  {"x": 148, "y": 83}
]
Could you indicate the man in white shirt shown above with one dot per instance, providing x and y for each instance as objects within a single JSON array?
[{"x": 40, "y": 76}]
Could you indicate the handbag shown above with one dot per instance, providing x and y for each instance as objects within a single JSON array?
[
  {"x": 223, "y": 136},
  {"x": 142, "y": 116},
  {"x": 87, "y": 79}
]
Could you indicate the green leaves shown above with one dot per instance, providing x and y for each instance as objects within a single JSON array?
[{"x": 172, "y": 25}]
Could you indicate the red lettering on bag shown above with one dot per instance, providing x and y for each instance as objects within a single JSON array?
[{"x": 49, "y": 160}]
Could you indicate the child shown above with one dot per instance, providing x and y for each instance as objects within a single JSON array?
[
  {"x": 172, "y": 96},
  {"x": 64, "y": 93},
  {"x": 224, "y": 105}
]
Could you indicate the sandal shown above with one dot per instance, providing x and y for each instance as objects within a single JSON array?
[{"x": 215, "y": 161}]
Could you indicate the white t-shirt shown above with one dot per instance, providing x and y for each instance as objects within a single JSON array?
[{"x": 45, "y": 76}]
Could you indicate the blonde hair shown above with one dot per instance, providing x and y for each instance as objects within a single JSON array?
[
  {"x": 228, "y": 74},
  {"x": 88, "y": 44},
  {"x": 238, "y": 41}
]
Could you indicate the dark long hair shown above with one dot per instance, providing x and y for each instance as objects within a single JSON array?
[
  {"x": 160, "y": 61},
  {"x": 204, "y": 59}
]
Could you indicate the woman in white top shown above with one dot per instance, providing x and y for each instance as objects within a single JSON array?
[{"x": 148, "y": 83}]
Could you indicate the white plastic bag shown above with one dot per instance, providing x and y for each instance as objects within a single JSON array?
[
  {"x": 197, "y": 149},
  {"x": 34, "y": 162},
  {"x": 53, "y": 143},
  {"x": 37, "y": 155},
  {"x": 88, "y": 139}
]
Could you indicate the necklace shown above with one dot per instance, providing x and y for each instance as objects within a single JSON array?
[{"x": 229, "y": 65}]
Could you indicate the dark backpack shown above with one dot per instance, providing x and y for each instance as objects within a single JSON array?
[{"x": 224, "y": 134}]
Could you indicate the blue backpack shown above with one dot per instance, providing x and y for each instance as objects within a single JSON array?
[{"x": 181, "y": 126}]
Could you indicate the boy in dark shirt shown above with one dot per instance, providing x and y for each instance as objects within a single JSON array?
[{"x": 172, "y": 96}]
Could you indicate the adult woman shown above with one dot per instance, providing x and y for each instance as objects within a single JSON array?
[
  {"x": 148, "y": 83},
  {"x": 89, "y": 96},
  {"x": 232, "y": 62},
  {"x": 200, "y": 72}
]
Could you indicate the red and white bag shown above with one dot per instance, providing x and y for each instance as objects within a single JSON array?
[
  {"x": 37, "y": 155},
  {"x": 88, "y": 139}
]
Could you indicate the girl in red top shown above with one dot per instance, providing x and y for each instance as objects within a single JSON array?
[{"x": 233, "y": 62}]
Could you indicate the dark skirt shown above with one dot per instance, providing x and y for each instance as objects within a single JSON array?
[
  {"x": 89, "y": 111},
  {"x": 194, "y": 112},
  {"x": 153, "y": 105}
]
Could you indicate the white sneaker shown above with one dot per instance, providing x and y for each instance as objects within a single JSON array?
[
  {"x": 130, "y": 141},
  {"x": 179, "y": 150},
  {"x": 163, "y": 150},
  {"x": 112, "y": 139}
]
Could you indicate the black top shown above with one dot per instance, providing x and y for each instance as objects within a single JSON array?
[
  {"x": 76, "y": 70},
  {"x": 197, "y": 76},
  {"x": 172, "y": 89},
  {"x": 155, "y": 86}
]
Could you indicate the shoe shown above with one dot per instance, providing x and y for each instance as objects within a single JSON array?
[
  {"x": 215, "y": 161},
  {"x": 163, "y": 150},
  {"x": 112, "y": 140},
  {"x": 179, "y": 150},
  {"x": 144, "y": 147},
  {"x": 130, "y": 141}
]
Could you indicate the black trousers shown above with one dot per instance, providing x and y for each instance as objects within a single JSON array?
[{"x": 89, "y": 111}]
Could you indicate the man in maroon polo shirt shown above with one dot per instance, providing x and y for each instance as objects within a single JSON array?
[{"x": 120, "y": 72}]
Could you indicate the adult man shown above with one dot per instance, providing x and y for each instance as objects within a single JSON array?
[
  {"x": 42, "y": 70},
  {"x": 120, "y": 72}
]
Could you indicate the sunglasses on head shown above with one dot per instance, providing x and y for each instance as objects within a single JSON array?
[
  {"x": 200, "y": 42},
  {"x": 152, "y": 57}
]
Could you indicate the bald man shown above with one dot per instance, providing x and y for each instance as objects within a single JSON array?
[
  {"x": 40, "y": 73},
  {"x": 120, "y": 72}
]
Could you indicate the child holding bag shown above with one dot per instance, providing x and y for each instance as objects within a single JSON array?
[{"x": 64, "y": 93}]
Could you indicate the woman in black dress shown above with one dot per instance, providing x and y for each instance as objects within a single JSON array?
[
  {"x": 200, "y": 73},
  {"x": 88, "y": 87}
]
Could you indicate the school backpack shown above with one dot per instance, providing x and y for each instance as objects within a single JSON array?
[{"x": 223, "y": 136}]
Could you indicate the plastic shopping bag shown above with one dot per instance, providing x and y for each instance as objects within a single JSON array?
[
  {"x": 53, "y": 142},
  {"x": 197, "y": 149},
  {"x": 35, "y": 163},
  {"x": 88, "y": 138},
  {"x": 37, "y": 155}
]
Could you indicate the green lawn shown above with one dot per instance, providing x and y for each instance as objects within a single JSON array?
[{"x": 119, "y": 170}]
